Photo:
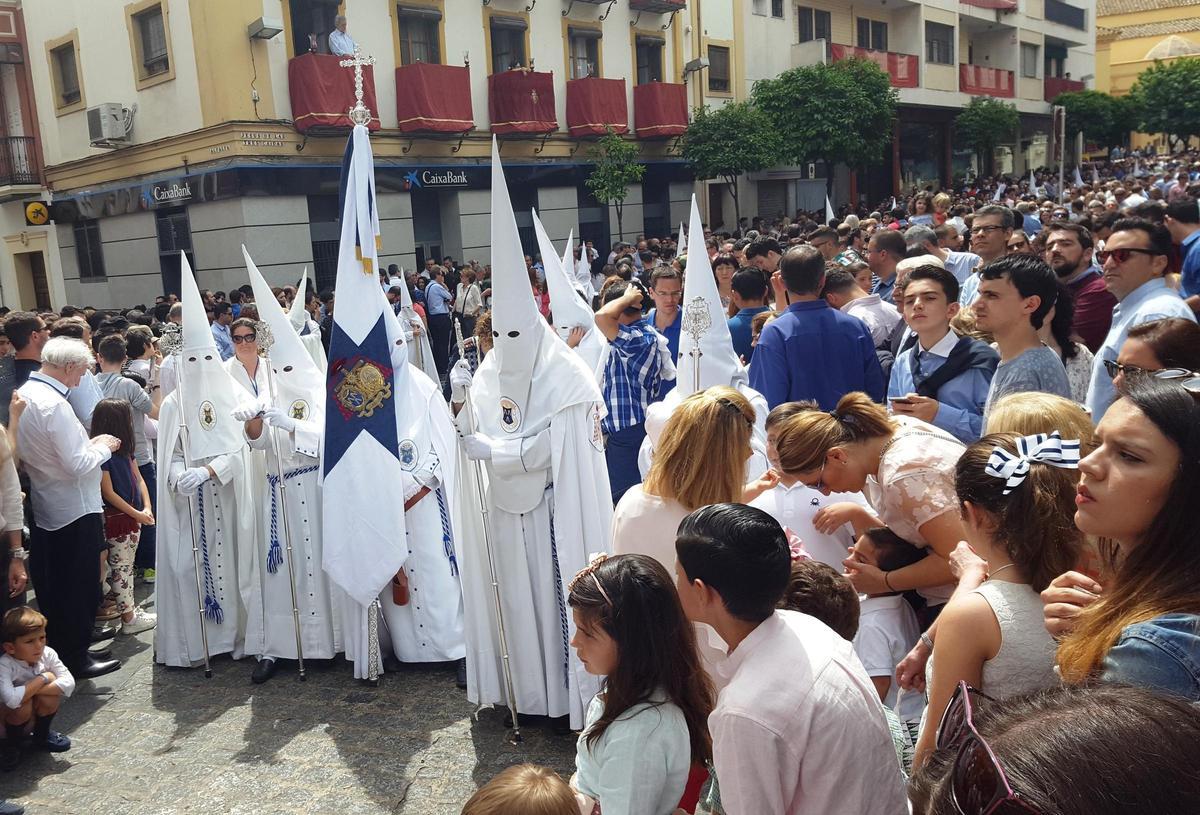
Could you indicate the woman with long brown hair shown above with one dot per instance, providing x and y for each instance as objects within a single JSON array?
[{"x": 1139, "y": 489}]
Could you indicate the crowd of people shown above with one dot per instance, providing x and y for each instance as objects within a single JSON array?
[{"x": 884, "y": 512}]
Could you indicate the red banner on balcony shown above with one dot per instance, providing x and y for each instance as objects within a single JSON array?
[
  {"x": 660, "y": 110},
  {"x": 322, "y": 92},
  {"x": 434, "y": 98},
  {"x": 1055, "y": 85},
  {"x": 980, "y": 81},
  {"x": 1004, "y": 5},
  {"x": 900, "y": 68},
  {"x": 595, "y": 104},
  {"x": 521, "y": 102}
]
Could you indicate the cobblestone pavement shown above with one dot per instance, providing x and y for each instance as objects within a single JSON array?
[{"x": 149, "y": 740}]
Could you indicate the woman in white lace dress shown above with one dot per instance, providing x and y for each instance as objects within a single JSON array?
[{"x": 1018, "y": 504}]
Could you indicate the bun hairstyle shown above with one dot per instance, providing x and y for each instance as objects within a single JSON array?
[
  {"x": 805, "y": 438},
  {"x": 1035, "y": 521}
]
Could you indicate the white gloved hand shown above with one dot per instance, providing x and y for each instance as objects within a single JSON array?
[
  {"x": 478, "y": 447},
  {"x": 247, "y": 411},
  {"x": 460, "y": 380},
  {"x": 277, "y": 418},
  {"x": 191, "y": 479}
]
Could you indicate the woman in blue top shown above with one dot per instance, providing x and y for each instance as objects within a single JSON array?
[{"x": 1139, "y": 488}]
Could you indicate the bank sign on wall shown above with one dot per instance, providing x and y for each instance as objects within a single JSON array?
[{"x": 446, "y": 178}]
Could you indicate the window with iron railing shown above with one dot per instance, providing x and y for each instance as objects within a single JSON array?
[{"x": 152, "y": 39}]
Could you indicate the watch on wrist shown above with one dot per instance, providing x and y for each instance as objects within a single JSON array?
[
  {"x": 19, "y": 553},
  {"x": 926, "y": 640}
]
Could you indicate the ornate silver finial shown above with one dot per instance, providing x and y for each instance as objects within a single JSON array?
[
  {"x": 171, "y": 341},
  {"x": 697, "y": 320},
  {"x": 265, "y": 337},
  {"x": 360, "y": 114}
]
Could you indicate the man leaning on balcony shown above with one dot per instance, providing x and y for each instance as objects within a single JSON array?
[{"x": 340, "y": 43}]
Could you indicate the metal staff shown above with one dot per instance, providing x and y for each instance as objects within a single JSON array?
[
  {"x": 695, "y": 323},
  {"x": 265, "y": 340},
  {"x": 172, "y": 343},
  {"x": 487, "y": 545}
]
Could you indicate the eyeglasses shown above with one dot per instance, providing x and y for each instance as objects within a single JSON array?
[
  {"x": 240, "y": 338},
  {"x": 983, "y": 230},
  {"x": 978, "y": 783},
  {"x": 1122, "y": 255},
  {"x": 820, "y": 485}
]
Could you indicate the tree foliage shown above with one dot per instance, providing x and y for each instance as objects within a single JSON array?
[
  {"x": 617, "y": 166},
  {"x": 1167, "y": 95},
  {"x": 984, "y": 124},
  {"x": 1090, "y": 112},
  {"x": 837, "y": 113},
  {"x": 1126, "y": 113},
  {"x": 727, "y": 141}
]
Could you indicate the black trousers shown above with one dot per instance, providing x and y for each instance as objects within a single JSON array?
[
  {"x": 144, "y": 559},
  {"x": 64, "y": 566},
  {"x": 440, "y": 329}
]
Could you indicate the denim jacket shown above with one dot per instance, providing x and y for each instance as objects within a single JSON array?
[{"x": 1161, "y": 654}]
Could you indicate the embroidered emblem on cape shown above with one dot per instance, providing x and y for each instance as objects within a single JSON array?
[
  {"x": 597, "y": 435},
  {"x": 408, "y": 455},
  {"x": 510, "y": 415},
  {"x": 361, "y": 389},
  {"x": 208, "y": 415},
  {"x": 299, "y": 410}
]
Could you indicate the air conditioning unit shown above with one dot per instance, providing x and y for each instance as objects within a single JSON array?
[{"x": 109, "y": 124}]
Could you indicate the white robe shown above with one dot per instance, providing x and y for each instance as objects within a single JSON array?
[
  {"x": 310, "y": 337},
  {"x": 430, "y": 627},
  {"x": 536, "y": 553},
  {"x": 229, "y": 534},
  {"x": 320, "y": 637}
]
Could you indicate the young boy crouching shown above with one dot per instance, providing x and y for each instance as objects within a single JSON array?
[{"x": 33, "y": 682}]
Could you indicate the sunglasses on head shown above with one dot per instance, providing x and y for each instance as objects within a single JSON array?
[
  {"x": 240, "y": 338},
  {"x": 1188, "y": 380},
  {"x": 978, "y": 783},
  {"x": 1122, "y": 255}
]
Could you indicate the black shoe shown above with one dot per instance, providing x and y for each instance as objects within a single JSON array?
[
  {"x": 102, "y": 633},
  {"x": 7, "y": 808},
  {"x": 104, "y": 652},
  {"x": 10, "y": 755},
  {"x": 392, "y": 665},
  {"x": 264, "y": 670},
  {"x": 460, "y": 674},
  {"x": 54, "y": 742},
  {"x": 561, "y": 725},
  {"x": 95, "y": 667}
]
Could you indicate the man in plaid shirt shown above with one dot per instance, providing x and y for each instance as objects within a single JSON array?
[{"x": 639, "y": 369}]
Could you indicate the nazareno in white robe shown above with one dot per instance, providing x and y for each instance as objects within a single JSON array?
[
  {"x": 430, "y": 627},
  {"x": 537, "y": 552},
  {"x": 228, "y": 532}
]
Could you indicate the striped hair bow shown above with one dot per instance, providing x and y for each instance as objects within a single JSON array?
[{"x": 1042, "y": 448}]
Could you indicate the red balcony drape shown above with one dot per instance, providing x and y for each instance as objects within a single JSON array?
[
  {"x": 980, "y": 81},
  {"x": 1055, "y": 85},
  {"x": 434, "y": 98},
  {"x": 322, "y": 92},
  {"x": 595, "y": 104},
  {"x": 901, "y": 68},
  {"x": 660, "y": 110},
  {"x": 521, "y": 102}
]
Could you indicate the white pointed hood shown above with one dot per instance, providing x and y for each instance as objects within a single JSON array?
[
  {"x": 682, "y": 248},
  {"x": 702, "y": 309},
  {"x": 207, "y": 393},
  {"x": 297, "y": 314},
  {"x": 299, "y": 385},
  {"x": 567, "y": 305},
  {"x": 568, "y": 256},
  {"x": 420, "y": 352}
]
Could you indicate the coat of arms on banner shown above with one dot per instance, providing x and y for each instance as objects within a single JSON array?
[
  {"x": 208, "y": 415},
  {"x": 299, "y": 410},
  {"x": 408, "y": 455},
  {"x": 510, "y": 415},
  {"x": 360, "y": 388}
]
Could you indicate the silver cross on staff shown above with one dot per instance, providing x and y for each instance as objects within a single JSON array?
[{"x": 360, "y": 114}]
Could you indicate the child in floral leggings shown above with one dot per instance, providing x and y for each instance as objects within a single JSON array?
[{"x": 126, "y": 510}]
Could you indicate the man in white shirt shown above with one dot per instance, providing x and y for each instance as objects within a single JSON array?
[
  {"x": 959, "y": 264},
  {"x": 68, "y": 531},
  {"x": 796, "y": 728},
  {"x": 843, "y": 292},
  {"x": 340, "y": 43}
]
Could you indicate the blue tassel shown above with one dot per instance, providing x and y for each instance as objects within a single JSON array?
[
  {"x": 275, "y": 551},
  {"x": 274, "y": 556},
  {"x": 212, "y": 610}
]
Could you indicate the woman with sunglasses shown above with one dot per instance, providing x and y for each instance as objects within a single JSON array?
[
  {"x": 1066, "y": 751},
  {"x": 904, "y": 466},
  {"x": 1017, "y": 496},
  {"x": 244, "y": 365},
  {"x": 1139, "y": 489},
  {"x": 1171, "y": 345}
]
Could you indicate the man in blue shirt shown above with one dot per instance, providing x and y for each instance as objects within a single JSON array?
[
  {"x": 813, "y": 351},
  {"x": 222, "y": 317},
  {"x": 437, "y": 309},
  {"x": 941, "y": 378},
  {"x": 749, "y": 290},
  {"x": 636, "y": 373},
  {"x": 1183, "y": 222},
  {"x": 886, "y": 249},
  {"x": 666, "y": 290},
  {"x": 1134, "y": 260}
]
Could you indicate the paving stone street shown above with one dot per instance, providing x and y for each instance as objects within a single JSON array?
[{"x": 148, "y": 740}]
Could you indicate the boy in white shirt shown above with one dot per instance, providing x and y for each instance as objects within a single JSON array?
[
  {"x": 887, "y": 627},
  {"x": 796, "y": 727},
  {"x": 33, "y": 683}
]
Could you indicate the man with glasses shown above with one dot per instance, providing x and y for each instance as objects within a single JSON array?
[
  {"x": 990, "y": 232},
  {"x": 1133, "y": 262},
  {"x": 1019, "y": 244},
  {"x": 1069, "y": 254},
  {"x": 666, "y": 290}
]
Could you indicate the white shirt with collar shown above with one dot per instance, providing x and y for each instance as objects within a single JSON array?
[
  {"x": 794, "y": 508},
  {"x": 798, "y": 727},
  {"x": 62, "y": 462},
  {"x": 942, "y": 347},
  {"x": 340, "y": 44},
  {"x": 15, "y": 674},
  {"x": 880, "y": 316},
  {"x": 887, "y": 631}
]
